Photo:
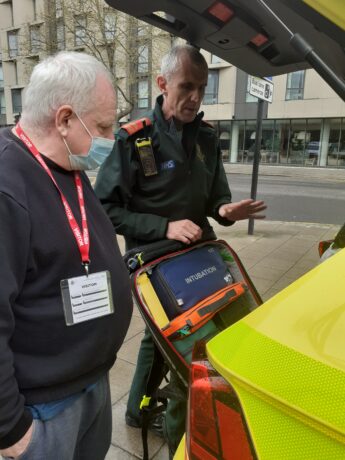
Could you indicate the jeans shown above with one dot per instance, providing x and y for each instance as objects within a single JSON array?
[{"x": 82, "y": 431}]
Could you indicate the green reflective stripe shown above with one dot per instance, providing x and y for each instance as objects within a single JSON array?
[
  {"x": 145, "y": 402},
  {"x": 311, "y": 389},
  {"x": 277, "y": 435}
]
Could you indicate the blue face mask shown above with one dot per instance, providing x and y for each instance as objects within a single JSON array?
[{"x": 100, "y": 149}]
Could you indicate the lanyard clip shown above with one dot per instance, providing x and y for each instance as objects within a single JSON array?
[{"x": 86, "y": 267}]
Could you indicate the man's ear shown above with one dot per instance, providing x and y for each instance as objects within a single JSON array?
[
  {"x": 162, "y": 84},
  {"x": 62, "y": 119}
]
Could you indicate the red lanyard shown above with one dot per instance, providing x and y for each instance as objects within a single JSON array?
[{"x": 81, "y": 238}]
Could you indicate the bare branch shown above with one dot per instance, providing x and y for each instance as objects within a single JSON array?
[{"x": 123, "y": 44}]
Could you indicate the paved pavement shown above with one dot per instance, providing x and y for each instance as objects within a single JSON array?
[{"x": 277, "y": 254}]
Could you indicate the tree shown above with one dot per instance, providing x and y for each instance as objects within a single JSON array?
[{"x": 130, "y": 49}]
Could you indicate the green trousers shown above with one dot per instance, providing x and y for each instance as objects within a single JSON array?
[{"x": 174, "y": 425}]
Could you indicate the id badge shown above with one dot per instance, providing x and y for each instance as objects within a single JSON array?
[
  {"x": 146, "y": 155},
  {"x": 86, "y": 297}
]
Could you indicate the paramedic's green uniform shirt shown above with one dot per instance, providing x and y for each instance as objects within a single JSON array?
[{"x": 190, "y": 184}]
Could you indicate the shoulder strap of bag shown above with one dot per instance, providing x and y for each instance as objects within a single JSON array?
[
  {"x": 148, "y": 406},
  {"x": 155, "y": 399},
  {"x": 136, "y": 257}
]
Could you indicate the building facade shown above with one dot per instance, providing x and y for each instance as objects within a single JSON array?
[
  {"x": 303, "y": 126},
  {"x": 33, "y": 29}
]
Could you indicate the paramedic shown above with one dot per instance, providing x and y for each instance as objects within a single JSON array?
[
  {"x": 168, "y": 188},
  {"x": 57, "y": 344}
]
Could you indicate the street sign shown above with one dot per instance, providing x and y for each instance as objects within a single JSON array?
[{"x": 261, "y": 88}]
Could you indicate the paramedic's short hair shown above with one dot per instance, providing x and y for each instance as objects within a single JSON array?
[
  {"x": 172, "y": 60},
  {"x": 67, "y": 78}
]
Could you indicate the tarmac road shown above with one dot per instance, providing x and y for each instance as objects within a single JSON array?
[
  {"x": 292, "y": 194},
  {"x": 295, "y": 199}
]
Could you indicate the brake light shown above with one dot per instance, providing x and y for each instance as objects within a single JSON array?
[
  {"x": 221, "y": 12},
  {"x": 215, "y": 428},
  {"x": 202, "y": 420}
]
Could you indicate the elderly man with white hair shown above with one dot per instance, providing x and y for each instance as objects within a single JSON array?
[{"x": 65, "y": 302}]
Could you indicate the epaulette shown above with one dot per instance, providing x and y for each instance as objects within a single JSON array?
[
  {"x": 136, "y": 125},
  {"x": 208, "y": 124}
]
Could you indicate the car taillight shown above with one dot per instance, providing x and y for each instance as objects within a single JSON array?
[{"x": 216, "y": 429}]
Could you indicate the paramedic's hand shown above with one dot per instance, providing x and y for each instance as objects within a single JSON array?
[
  {"x": 19, "y": 447},
  {"x": 243, "y": 209},
  {"x": 184, "y": 230}
]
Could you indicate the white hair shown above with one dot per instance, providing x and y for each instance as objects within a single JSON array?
[
  {"x": 172, "y": 60},
  {"x": 67, "y": 78}
]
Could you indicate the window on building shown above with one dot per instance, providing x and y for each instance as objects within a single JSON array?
[
  {"x": 17, "y": 100},
  {"x": 2, "y": 93},
  {"x": 216, "y": 60},
  {"x": 211, "y": 90},
  {"x": 1, "y": 77},
  {"x": 333, "y": 139},
  {"x": 295, "y": 85},
  {"x": 109, "y": 26},
  {"x": 249, "y": 97},
  {"x": 341, "y": 146},
  {"x": 79, "y": 30},
  {"x": 35, "y": 39},
  {"x": 12, "y": 38},
  {"x": 15, "y": 72},
  {"x": 299, "y": 138},
  {"x": 143, "y": 94},
  {"x": 142, "y": 29},
  {"x": 60, "y": 35},
  {"x": 143, "y": 59},
  {"x": 333, "y": 126},
  {"x": 249, "y": 135},
  {"x": 34, "y": 4},
  {"x": 2, "y": 102},
  {"x": 59, "y": 8},
  {"x": 269, "y": 146},
  {"x": 313, "y": 147},
  {"x": 239, "y": 129},
  {"x": 224, "y": 134}
]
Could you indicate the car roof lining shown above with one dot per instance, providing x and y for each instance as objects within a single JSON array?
[{"x": 231, "y": 41}]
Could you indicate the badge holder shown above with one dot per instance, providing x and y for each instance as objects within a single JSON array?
[
  {"x": 83, "y": 297},
  {"x": 87, "y": 297}
]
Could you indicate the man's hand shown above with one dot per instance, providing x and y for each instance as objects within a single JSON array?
[
  {"x": 184, "y": 230},
  {"x": 243, "y": 209},
  {"x": 19, "y": 447}
]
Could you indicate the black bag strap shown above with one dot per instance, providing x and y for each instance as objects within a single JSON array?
[
  {"x": 148, "y": 404},
  {"x": 155, "y": 395},
  {"x": 140, "y": 255},
  {"x": 147, "y": 416},
  {"x": 136, "y": 257}
]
